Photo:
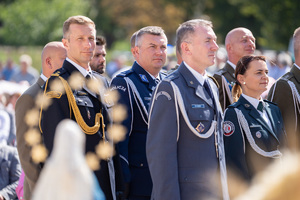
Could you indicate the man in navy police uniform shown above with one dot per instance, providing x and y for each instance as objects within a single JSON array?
[{"x": 135, "y": 87}]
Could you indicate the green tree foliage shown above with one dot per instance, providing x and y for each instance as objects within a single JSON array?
[
  {"x": 32, "y": 22},
  {"x": 119, "y": 19},
  {"x": 271, "y": 21}
]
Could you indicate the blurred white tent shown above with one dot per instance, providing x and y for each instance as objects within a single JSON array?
[{"x": 10, "y": 88}]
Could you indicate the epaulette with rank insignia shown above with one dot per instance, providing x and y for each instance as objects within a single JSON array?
[
  {"x": 234, "y": 105},
  {"x": 287, "y": 76},
  {"x": 270, "y": 102},
  {"x": 59, "y": 72},
  {"x": 171, "y": 77},
  {"x": 124, "y": 73}
]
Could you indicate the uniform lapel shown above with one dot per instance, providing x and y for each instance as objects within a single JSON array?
[
  {"x": 230, "y": 71},
  {"x": 272, "y": 120},
  {"x": 296, "y": 73},
  {"x": 256, "y": 116},
  {"x": 144, "y": 76},
  {"x": 192, "y": 82}
]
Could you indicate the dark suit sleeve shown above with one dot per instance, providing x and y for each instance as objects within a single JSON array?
[
  {"x": 119, "y": 84},
  {"x": 161, "y": 146},
  {"x": 234, "y": 145},
  {"x": 222, "y": 93},
  {"x": 281, "y": 94},
  {"x": 31, "y": 169},
  {"x": 51, "y": 116}
]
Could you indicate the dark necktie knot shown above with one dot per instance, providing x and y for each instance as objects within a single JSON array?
[{"x": 260, "y": 106}]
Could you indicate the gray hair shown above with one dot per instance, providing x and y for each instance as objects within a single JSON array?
[
  {"x": 296, "y": 41},
  {"x": 187, "y": 28}
]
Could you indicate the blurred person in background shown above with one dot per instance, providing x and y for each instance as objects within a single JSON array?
[
  {"x": 26, "y": 72},
  {"x": 98, "y": 62},
  {"x": 238, "y": 43},
  {"x": 282, "y": 65},
  {"x": 53, "y": 56},
  {"x": 9, "y": 70},
  {"x": 10, "y": 171}
]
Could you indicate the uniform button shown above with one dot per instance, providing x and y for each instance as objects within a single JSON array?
[
  {"x": 142, "y": 164},
  {"x": 185, "y": 178}
]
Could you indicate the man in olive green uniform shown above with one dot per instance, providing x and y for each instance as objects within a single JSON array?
[
  {"x": 239, "y": 42},
  {"x": 285, "y": 93}
]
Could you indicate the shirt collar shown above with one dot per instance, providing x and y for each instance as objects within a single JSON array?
[
  {"x": 43, "y": 77},
  {"x": 252, "y": 100},
  {"x": 82, "y": 70},
  {"x": 197, "y": 75},
  {"x": 149, "y": 73},
  {"x": 231, "y": 64}
]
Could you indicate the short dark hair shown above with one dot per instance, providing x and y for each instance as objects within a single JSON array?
[{"x": 100, "y": 40}]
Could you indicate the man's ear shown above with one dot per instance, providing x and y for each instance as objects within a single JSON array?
[
  {"x": 185, "y": 48},
  {"x": 48, "y": 62},
  {"x": 65, "y": 43}
]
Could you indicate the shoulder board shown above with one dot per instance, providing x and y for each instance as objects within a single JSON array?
[
  {"x": 171, "y": 77},
  {"x": 220, "y": 72},
  {"x": 164, "y": 72},
  {"x": 270, "y": 102},
  {"x": 59, "y": 72},
  {"x": 286, "y": 76},
  {"x": 234, "y": 105},
  {"x": 215, "y": 81},
  {"x": 125, "y": 73}
]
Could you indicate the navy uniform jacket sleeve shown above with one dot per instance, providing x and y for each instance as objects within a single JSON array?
[
  {"x": 120, "y": 85},
  {"x": 161, "y": 146},
  {"x": 234, "y": 144}
]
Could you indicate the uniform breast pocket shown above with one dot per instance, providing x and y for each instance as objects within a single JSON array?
[
  {"x": 86, "y": 108},
  {"x": 83, "y": 101},
  {"x": 202, "y": 114},
  {"x": 260, "y": 136}
]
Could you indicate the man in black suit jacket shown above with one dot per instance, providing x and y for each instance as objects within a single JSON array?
[{"x": 78, "y": 103}]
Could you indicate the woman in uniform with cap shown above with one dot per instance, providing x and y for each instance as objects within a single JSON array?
[{"x": 253, "y": 128}]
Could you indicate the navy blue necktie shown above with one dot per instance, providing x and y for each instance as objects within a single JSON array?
[{"x": 207, "y": 88}]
